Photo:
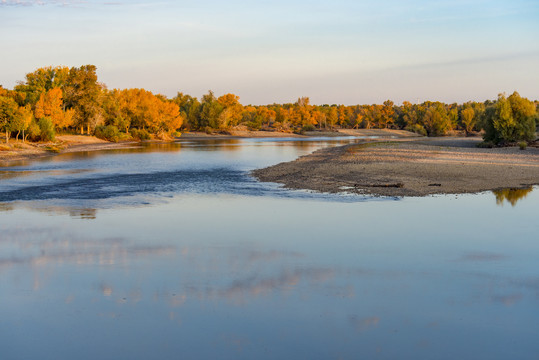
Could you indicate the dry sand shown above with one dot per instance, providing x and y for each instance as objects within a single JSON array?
[{"x": 409, "y": 167}]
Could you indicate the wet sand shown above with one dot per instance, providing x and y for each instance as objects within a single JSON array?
[{"x": 409, "y": 167}]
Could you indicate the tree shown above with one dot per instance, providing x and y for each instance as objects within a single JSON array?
[
  {"x": 8, "y": 111},
  {"x": 22, "y": 120},
  {"x": 41, "y": 81},
  {"x": 50, "y": 105},
  {"x": 386, "y": 114},
  {"x": 210, "y": 110},
  {"x": 232, "y": 111},
  {"x": 82, "y": 93},
  {"x": 468, "y": 119},
  {"x": 510, "y": 119},
  {"x": 332, "y": 117},
  {"x": 436, "y": 120}
]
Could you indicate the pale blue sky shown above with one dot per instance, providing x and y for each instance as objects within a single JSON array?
[{"x": 336, "y": 51}]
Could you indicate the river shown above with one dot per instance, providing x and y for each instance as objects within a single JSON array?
[{"x": 174, "y": 251}]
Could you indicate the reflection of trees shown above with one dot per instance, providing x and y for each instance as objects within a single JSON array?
[{"x": 511, "y": 195}]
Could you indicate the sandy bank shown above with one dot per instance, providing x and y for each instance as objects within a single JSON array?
[
  {"x": 409, "y": 167},
  {"x": 15, "y": 152}
]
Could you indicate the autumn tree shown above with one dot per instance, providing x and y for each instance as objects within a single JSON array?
[
  {"x": 436, "y": 120},
  {"x": 40, "y": 81},
  {"x": 22, "y": 120},
  {"x": 467, "y": 117},
  {"x": 510, "y": 119},
  {"x": 82, "y": 93},
  {"x": 386, "y": 115},
  {"x": 232, "y": 111},
  {"x": 50, "y": 105}
]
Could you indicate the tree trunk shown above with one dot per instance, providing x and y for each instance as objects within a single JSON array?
[
  {"x": 18, "y": 135},
  {"x": 7, "y": 137},
  {"x": 88, "y": 129},
  {"x": 23, "y": 137},
  {"x": 82, "y": 130}
]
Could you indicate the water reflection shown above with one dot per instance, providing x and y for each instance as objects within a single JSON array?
[
  {"x": 512, "y": 195},
  {"x": 39, "y": 247}
]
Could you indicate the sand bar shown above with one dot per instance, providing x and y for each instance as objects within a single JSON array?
[{"x": 409, "y": 167}]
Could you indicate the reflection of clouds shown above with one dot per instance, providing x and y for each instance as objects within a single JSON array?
[
  {"x": 242, "y": 258},
  {"x": 238, "y": 291},
  {"x": 507, "y": 300},
  {"x": 45, "y": 246},
  {"x": 362, "y": 324}
]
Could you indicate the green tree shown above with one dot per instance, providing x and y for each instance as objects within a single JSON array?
[
  {"x": 82, "y": 93},
  {"x": 8, "y": 112},
  {"x": 510, "y": 119},
  {"x": 46, "y": 129},
  {"x": 210, "y": 109},
  {"x": 436, "y": 120}
]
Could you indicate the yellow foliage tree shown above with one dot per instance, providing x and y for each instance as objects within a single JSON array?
[{"x": 50, "y": 105}]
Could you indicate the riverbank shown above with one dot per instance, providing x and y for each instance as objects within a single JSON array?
[
  {"x": 409, "y": 167},
  {"x": 17, "y": 151}
]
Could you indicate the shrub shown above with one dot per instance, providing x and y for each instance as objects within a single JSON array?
[
  {"x": 109, "y": 132},
  {"x": 309, "y": 127},
  {"x": 523, "y": 145},
  {"x": 140, "y": 134},
  {"x": 46, "y": 129},
  {"x": 33, "y": 131},
  {"x": 416, "y": 128}
]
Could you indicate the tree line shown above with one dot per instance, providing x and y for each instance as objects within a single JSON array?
[{"x": 53, "y": 99}]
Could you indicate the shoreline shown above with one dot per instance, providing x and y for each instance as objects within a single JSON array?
[{"x": 408, "y": 167}]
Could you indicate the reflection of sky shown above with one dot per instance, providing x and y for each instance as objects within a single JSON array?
[
  {"x": 235, "y": 275},
  {"x": 230, "y": 275}
]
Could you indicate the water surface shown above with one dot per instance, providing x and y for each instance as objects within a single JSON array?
[{"x": 174, "y": 251}]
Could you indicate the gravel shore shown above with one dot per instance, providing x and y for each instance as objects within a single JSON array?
[{"x": 409, "y": 167}]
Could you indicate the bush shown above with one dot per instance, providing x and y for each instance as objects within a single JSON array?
[
  {"x": 309, "y": 127},
  {"x": 33, "y": 131},
  {"x": 523, "y": 145},
  {"x": 485, "y": 145},
  {"x": 46, "y": 129},
  {"x": 416, "y": 128},
  {"x": 140, "y": 134},
  {"x": 109, "y": 132}
]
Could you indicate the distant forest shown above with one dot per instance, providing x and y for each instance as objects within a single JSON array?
[{"x": 69, "y": 100}]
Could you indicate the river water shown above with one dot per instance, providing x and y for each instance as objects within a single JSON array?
[{"x": 174, "y": 252}]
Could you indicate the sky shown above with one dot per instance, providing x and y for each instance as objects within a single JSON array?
[{"x": 335, "y": 52}]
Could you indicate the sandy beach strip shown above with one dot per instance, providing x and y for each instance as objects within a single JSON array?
[{"x": 409, "y": 167}]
